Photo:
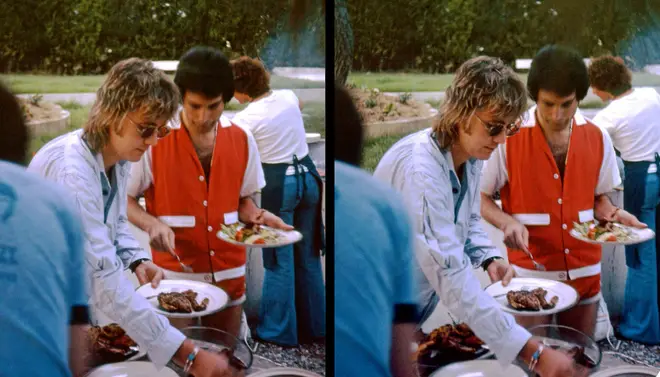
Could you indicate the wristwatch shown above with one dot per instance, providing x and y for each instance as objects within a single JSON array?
[
  {"x": 135, "y": 264},
  {"x": 488, "y": 261}
]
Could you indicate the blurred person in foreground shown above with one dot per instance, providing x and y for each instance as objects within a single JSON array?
[
  {"x": 632, "y": 119},
  {"x": 558, "y": 171},
  {"x": 438, "y": 171},
  {"x": 375, "y": 306},
  {"x": 130, "y": 114},
  {"x": 44, "y": 313},
  {"x": 293, "y": 299}
]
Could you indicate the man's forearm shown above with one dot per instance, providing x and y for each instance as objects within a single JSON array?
[
  {"x": 603, "y": 207},
  {"x": 247, "y": 209},
  {"x": 492, "y": 213},
  {"x": 400, "y": 353},
  {"x": 79, "y": 350},
  {"x": 138, "y": 216}
]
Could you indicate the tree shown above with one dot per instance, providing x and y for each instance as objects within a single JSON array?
[{"x": 343, "y": 42}]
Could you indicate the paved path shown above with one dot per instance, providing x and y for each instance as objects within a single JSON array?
[{"x": 305, "y": 95}]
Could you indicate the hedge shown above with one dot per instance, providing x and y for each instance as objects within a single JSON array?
[
  {"x": 438, "y": 35},
  {"x": 89, "y": 36}
]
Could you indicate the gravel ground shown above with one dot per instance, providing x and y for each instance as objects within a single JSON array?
[
  {"x": 310, "y": 357},
  {"x": 649, "y": 355}
]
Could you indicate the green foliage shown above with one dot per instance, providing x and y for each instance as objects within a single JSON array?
[
  {"x": 89, "y": 36},
  {"x": 405, "y": 97},
  {"x": 35, "y": 99},
  {"x": 436, "y": 36}
]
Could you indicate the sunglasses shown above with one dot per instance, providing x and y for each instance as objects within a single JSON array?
[
  {"x": 146, "y": 130},
  {"x": 495, "y": 129}
]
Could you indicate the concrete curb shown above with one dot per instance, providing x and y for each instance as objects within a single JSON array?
[
  {"x": 400, "y": 126},
  {"x": 51, "y": 126}
]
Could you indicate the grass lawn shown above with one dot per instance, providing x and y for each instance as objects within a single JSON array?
[
  {"x": 374, "y": 149},
  {"x": 29, "y": 83},
  {"x": 314, "y": 121},
  {"x": 422, "y": 82}
]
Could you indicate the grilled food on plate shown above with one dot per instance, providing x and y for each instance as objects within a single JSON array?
[
  {"x": 604, "y": 231},
  {"x": 450, "y": 339},
  {"x": 181, "y": 302},
  {"x": 111, "y": 342},
  {"x": 533, "y": 300},
  {"x": 252, "y": 234}
]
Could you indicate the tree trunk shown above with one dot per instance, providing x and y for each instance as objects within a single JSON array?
[{"x": 343, "y": 43}]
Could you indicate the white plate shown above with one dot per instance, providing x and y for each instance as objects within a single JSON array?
[
  {"x": 643, "y": 235},
  {"x": 132, "y": 369},
  {"x": 288, "y": 238},
  {"x": 217, "y": 297},
  {"x": 479, "y": 368},
  {"x": 627, "y": 370},
  {"x": 568, "y": 296}
]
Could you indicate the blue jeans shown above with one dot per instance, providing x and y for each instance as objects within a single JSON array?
[
  {"x": 293, "y": 299},
  {"x": 641, "y": 317}
]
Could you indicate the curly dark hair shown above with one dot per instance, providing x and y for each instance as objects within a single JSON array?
[
  {"x": 610, "y": 74},
  {"x": 558, "y": 69},
  {"x": 15, "y": 138},
  {"x": 250, "y": 76},
  {"x": 205, "y": 70}
]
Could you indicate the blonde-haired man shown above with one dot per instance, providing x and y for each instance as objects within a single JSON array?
[
  {"x": 437, "y": 170},
  {"x": 130, "y": 114}
]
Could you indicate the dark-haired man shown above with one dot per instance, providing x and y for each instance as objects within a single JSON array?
[
  {"x": 557, "y": 171},
  {"x": 205, "y": 174}
]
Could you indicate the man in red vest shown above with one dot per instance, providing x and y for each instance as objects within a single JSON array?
[
  {"x": 557, "y": 171},
  {"x": 204, "y": 174}
]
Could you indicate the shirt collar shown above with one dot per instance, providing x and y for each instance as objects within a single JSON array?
[
  {"x": 96, "y": 158},
  {"x": 446, "y": 154}
]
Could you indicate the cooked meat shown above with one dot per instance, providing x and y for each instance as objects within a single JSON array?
[
  {"x": 111, "y": 342},
  {"x": 523, "y": 300},
  {"x": 192, "y": 297},
  {"x": 453, "y": 340},
  {"x": 112, "y": 330},
  {"x": 175, "y": 302},
  {"x": 182, "y": 302},
  {"x": 540, "y": 293}
]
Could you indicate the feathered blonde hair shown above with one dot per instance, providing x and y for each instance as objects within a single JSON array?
[
  {"x": 131, "y": 85},
  {"x": 480, "y": 83}
]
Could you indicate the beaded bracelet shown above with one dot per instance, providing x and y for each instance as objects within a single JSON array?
[
  {"x": 535, "y": 358},
  {"x": 190, "y": 360}
]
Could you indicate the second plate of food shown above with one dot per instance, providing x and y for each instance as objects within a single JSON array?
[
  {"x": 610, "y": 233},
  {"x": 533, "y": 297},
  {"x": 257, "y": 236},
  {"x": 448, "y": 344},
  {"x": 185, "y": 298}
]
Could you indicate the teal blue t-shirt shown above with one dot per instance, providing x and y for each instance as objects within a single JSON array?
[
  {"x": 374, "y": 282},
  {"x": 42, "y": 273}
]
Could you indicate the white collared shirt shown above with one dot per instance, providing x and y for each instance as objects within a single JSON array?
[
  {"x": 633, "y": 122},
  {"x": 142, "y": 176},
  {"x": 110, "y": 247},
  {"x": 449, "y": 240},
  {"x": 495, "y": 175}
]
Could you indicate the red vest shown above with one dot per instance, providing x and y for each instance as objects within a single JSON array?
[
  {"x": 535, "y": 191},
  {"x": 180, "y": 189}
]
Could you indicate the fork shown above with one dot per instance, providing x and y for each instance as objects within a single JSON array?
[
  {"x": 186, "y": 268},
  {"x": 537, "y": 265}
]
